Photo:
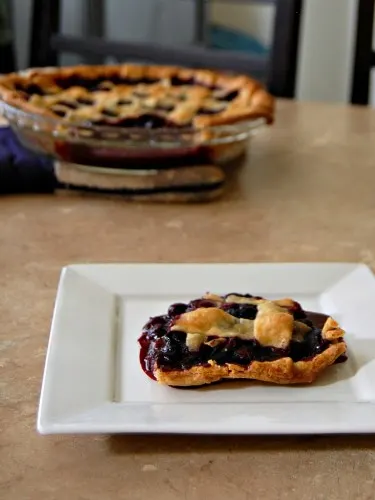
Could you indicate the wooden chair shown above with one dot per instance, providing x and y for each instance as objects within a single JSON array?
[
  {"x": 278, "y": 71},
  {"x": 364, "y": 58},
  {"x": 7, "y": 53}
]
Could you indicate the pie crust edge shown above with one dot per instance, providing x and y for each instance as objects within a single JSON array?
[
  {"x": 283, "y": 371},
  {"x": 255, "y": 101}
]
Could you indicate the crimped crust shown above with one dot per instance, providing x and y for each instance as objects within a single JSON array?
[
  {"x": 251, "y": 101},
  {"x": 282, "y": 371}
]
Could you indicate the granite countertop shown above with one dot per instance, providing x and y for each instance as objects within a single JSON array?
[{"x": 306, "y": 194}]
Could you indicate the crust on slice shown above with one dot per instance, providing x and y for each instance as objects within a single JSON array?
[{"x": 282, "y": 371}]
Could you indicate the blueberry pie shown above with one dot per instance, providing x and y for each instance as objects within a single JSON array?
[
  {"x": 239, "y": 337},
  {"x": 138, "y": 96}
]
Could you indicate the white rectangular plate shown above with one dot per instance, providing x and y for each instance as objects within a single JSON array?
[{"x": 93, "y": 382}]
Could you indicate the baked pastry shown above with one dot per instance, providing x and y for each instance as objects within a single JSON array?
[
  {"x": 239, "y": 337},
  {"x": 137, "y": 96},
  {"x": 105, "y": 116}
]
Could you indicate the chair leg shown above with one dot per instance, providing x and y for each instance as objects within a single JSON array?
[
  {"x": 94, "y": 25},
  {"x": 363, "y": 58},
  {"x": 201, "y": 22},
  {"x": 45, "y": 23},
  {"x": 7, "y": 59},
  {"x": 7, "y": 48},
  {"x": 283, "y": 67}
]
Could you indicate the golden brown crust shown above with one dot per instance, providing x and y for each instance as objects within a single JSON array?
[
  {"x": 252, "y": 101},
  {"x": 331, "y": 330},
  {"x": 208, "y": 321},
  {"x": 274, "y": 329},
  {"x": 282, "y": 371}
]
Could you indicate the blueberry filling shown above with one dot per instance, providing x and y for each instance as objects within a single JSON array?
[
  {"x": 147, "y": 121},
  {"x": 78, "y": 81},
  {"x": 165, "y": 107},
  {"x": 59, "y": 112},
  {"x": 168, "y": 350},
  {"x": 179, "y": 82},
  {"x": 208, "y": 111},
  {"x": 124, "y": 102},
  {"x": 85, "y": 101},
  {"x": 34, "y": 89},
  {"x": 109, "y": 113},
  {"x": 195, "y": 304},
  {"x": 156, "y": 327},
  {"x": 229, "y": 97},
  {"x": 247, "y": 311},
  {"x": 177, "y": 309}
]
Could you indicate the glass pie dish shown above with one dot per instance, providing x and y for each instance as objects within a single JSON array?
[{"x": 129, "y": 148}]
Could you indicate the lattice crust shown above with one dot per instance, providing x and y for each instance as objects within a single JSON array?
[
  {"x": 239, "y": 336},
  {"x": 138, "y": 96}
]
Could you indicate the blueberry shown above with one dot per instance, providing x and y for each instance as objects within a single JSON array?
[
  {"x": 156, "y": 325},
  {"x": 229, "y": 96},
  {"x": 247, "y": 311},
  {"x": 242, "y": 355},
  {"x": 196, "y": 304},
  {"x": 177, "y": 309}
]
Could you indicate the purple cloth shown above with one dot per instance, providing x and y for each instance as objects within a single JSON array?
[{"x": 22, "y": 171}]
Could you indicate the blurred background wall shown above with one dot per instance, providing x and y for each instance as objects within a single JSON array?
[{"x": 326, "y": 48}]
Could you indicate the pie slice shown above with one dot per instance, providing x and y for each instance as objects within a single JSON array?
[{"x": 239, "y": 337}]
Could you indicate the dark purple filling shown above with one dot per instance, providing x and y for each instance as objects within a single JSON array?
[
  {"x": 30, "y": 88},
  {"x": 179, "y": 82},
  {"x": 228, "y": 97},
  {"x": 136, "y": 158},
  {"x": 124, "y": 102},
  {"x": 164, "y": 107},
  {"x": 109, "y": 113},
  {"x": 59, "y": 112},
  {"x": 168, "y": 351},
  {"x": 147, "y": 121},
  {"x": 208, "y": 111},
  {"x": 177, "y": 309},
  {"x": 197, "y": 303},
  {"x": 247, "y": 311},
  {"x": 85, "y": 101}
]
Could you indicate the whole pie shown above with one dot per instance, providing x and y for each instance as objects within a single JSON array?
[
  {"x": 239, "y": 337},
  {"x": 138, "y": 96}
]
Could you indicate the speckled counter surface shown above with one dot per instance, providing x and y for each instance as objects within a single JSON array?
[{"x": 307, "y": 193}]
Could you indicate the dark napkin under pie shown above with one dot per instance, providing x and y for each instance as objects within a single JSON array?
[{"x": 22, "y": 171}]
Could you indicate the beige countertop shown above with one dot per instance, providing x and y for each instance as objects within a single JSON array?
[{"x": 307, "y": 193}]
